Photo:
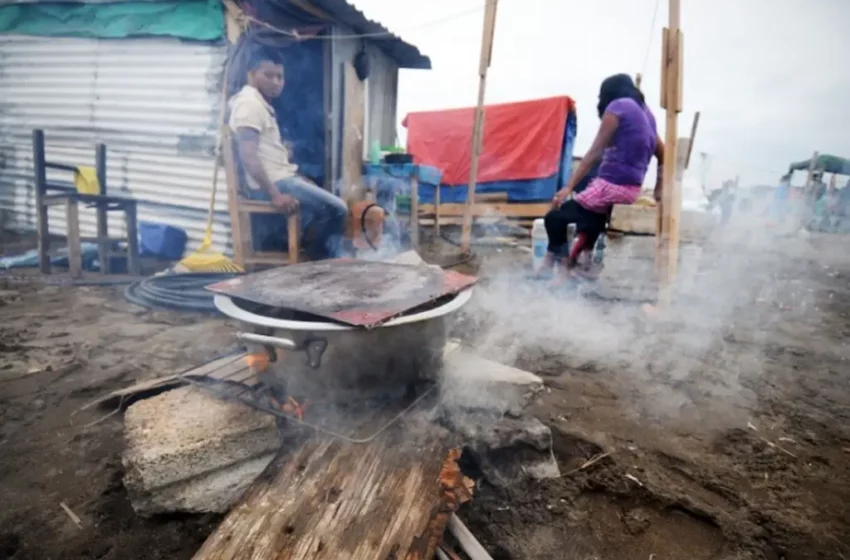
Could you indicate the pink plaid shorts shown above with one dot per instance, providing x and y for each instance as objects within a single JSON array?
[{"x": 600, "y": 195}]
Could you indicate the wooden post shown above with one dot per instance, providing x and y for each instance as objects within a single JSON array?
[
  {"x": 638, "y": 80},
  {"x": 667, "y": 248},
  {"x": 478, "y": 123},
  {"x": 437, "y": 210},
  {"x": 414, "y": 209}
]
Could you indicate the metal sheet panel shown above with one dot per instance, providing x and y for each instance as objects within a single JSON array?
[
  {"x": 350, "y": 291},
  {"x": 153, "y": 102},
  {"x": 383, "y": 95}
]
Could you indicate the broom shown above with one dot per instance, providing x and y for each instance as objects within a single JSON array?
[{"x": 203, "y": 259}]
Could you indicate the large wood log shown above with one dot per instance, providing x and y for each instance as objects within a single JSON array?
[{"x": 389, "y": 499}]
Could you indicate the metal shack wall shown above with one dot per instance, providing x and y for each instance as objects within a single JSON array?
[
  {"x": 153, "y": 102},
  {"x": 382, "y": 91}
]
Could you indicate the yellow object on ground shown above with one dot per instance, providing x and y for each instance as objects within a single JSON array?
[
  {"x": 204, "y": 260},
  {"x": 85, "y": 180}
]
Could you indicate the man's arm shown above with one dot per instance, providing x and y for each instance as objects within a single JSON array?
[
  {"x": 248, "y": 142},
  {"x": 609, "y": 125}
]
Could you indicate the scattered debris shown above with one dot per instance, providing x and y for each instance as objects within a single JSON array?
[
  {"x": 634, "y": 479},
  {"x": 74, "y": 517},
  {"x": 589, "y": 463},
  {"x": 468, "y": 543}
]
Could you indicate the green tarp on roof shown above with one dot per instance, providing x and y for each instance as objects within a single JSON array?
[
  {"x": 200, "y": 20},
  {"x": 825, "y": 163}
]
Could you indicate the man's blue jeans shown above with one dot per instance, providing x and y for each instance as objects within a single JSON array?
[{"x": 322, "y": 212}]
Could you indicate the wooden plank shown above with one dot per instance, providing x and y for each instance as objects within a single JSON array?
[
  {"x": 692, "y": 139},
  {"x": 353, "y": 132},
  {"x": 641, "y": 220},
  {"x": 491, "y": 197},
  {"x": 234, "y": 367},
  {"x": 504, "y": 209},
  {"x": 331, "y": 500}
]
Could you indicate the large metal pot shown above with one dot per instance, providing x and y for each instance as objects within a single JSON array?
[{"x": 324, "y": 361}]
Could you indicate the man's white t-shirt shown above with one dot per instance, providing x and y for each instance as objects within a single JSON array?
[{"x": 248, "y": 109}]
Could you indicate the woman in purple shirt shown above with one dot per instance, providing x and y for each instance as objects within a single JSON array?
[{"x": 626, "y": 141}]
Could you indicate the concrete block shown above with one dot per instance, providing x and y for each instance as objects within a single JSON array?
[
  {"x": 476, "y": 383},
  {"x": 189, "y": 451}
]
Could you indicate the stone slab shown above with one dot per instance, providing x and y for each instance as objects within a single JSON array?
[
  {"x": 471, "y": 382},
  {"x": 507, "y": 450},
  {"x": 175, "y": 439}
]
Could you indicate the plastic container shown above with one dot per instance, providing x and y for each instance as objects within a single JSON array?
[
  {"x": 161, "y": 241},
  {"x": 539, "y": 243},
  {"x": 375, "y": 153}
]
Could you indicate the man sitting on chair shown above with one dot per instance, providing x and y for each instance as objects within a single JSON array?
[{"x": 270, "y": 173}]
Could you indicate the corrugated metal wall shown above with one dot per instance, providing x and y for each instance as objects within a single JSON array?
[
  {"x": 383, "y": 94},
  {"x": 154, "y": 102}
]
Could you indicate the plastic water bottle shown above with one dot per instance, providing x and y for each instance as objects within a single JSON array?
[{"x": 539, "y": 243}]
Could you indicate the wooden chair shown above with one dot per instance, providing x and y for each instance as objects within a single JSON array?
[
  {"x": 52, "y": 193},
  {"x": 240, "y": 218}
]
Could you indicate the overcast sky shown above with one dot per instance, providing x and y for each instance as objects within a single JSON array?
[{"x": 767, "y": 75}]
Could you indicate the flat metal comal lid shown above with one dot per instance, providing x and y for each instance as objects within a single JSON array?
[{"x": 355, "y": 292}]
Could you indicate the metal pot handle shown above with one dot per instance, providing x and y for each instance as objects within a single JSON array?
[{"x": 314, "y": 347}]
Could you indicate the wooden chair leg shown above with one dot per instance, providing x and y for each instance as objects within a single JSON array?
[
  {"x": 75, "y": 251},
  {"x": 293, "y": 224},
  {"x": 40, "y": 172},
  {"x": 133, "y": 265},
  {"x": 414, "y": 211}
]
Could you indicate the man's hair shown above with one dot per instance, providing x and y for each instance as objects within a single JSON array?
[
  {"x": 260, "y": 54},
  {"x": 616, "y": 87}
]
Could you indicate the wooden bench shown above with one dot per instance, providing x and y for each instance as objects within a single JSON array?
[
  {"x": 244, "y": 253},
  {"x": 52, "y": 193}
]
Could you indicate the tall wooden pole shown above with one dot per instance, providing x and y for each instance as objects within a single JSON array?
[
  {"x": 478, "y": 123},
  {"x": 667, "y": 249}
]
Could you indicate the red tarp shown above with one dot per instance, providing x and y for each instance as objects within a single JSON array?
[{"x": 522, "y": 140}]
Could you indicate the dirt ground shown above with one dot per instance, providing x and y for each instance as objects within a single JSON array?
[{"x": 719, "y": 433}]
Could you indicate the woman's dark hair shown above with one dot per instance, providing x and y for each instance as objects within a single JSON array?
[{"x": 616, "y": 87}]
